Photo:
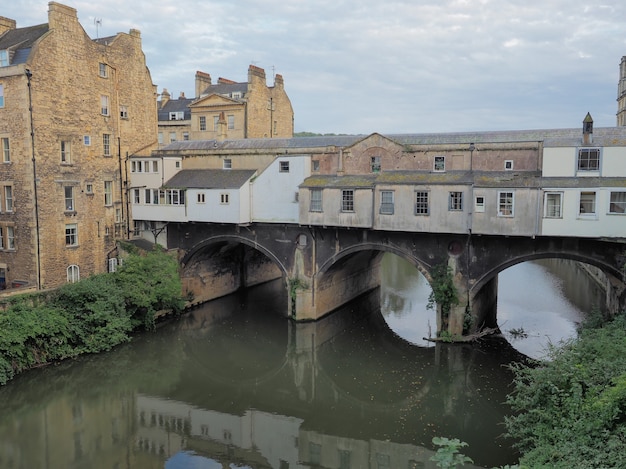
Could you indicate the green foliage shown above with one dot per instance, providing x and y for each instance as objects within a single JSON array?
[
  {"x": 571, "y": 410},
  {"x": 448, "y": 455},
  {"x": 89, "y": 316},
  {"x": 443, "y": 292}
]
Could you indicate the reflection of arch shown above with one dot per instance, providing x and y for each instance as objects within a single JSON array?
[
  {"x": 487, "y": 276},
  {"x": 199, "y": 247},
  {"x": 420, "y": 265}
]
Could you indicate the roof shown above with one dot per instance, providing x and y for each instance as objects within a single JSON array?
[
  {"x": 21, "y": 40},
  {"x": 604, "y": 136},
  {"x": 226, "y": 88},
  {"x": 210, "y": 178},
  {"x": 175, "y": 105}
]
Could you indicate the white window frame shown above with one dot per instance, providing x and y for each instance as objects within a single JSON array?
[
  {"x": 439, "y": 164},
  {"x": 224, "y": 198},
  {"x": 375, "y": 164},
  {"x": 508, "y": 165},
  {"x": 103, "y": 70},
  {"x": 316, "y": 200},
  {"x": 455, "y": 201},
  {"x": 584, "y": 199},
  {"x": 506, "y": 204},
  {"x": 553, "y": 204},
  {"x": 8, "y": 198},
  {"x": 202, "y": 123},
  {"x": 108, "y": 193},
  {"x": 177, "y": 115},
  {"x": 588, "y": 163},
  {"x": 104, "y": 105},
  {"x": 231, "y": 122},
  {"x": 65, "y": 148},
  {"x": 71, "y": 235},
  {"x": 227, "y": 163},
  {"x": 422, "y": 203},
  {"x": 11, "y": 238},
  {"x": 347, "y": 200},
  {"x": 617, "y": 207},
  {"x": 68, "y": 192},
  {"x": 479, "y": 204},
  {"x": 123, "y": 111},
  {"x": 201, "y": 198},
  {"x": 283, "y": 166},
  {"x": 106, "y": 144},
  {"x": 387, "y": 204},
  {"x": 6, "y": 149},
  {"x": 73, "y": 273}
]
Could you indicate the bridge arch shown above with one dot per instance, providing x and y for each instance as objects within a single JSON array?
[{"x": 222, "y": 264}]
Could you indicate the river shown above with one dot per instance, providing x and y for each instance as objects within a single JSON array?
[{"x": 233, "y": 385}]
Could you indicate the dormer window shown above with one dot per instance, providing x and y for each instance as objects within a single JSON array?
[
  {"x": 4, "y": 58},
  {"x": 375, "y": 164},
  {"x": 237, "y": 95},
  {"x": 589, "y": 159},
  {"x": 440, "y": 164},
  {"x": 177, "y": 116}
]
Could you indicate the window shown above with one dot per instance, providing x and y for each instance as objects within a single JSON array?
[
  {"x": 587, "y": 203},
  {"x": 118, "y": 217},
  {"x": 375, "y": 164},
  {"x": 201, "y": 197},
  {"x": 89, "y": 188},
  {"x": 236, "y": 95},
  {"x": 224, "y": 199},
  {"x": 71, "y": 234},
  {"x": 231, "y": 122},
  {"x": 315, "y": 165},
  {"x": 10, "y": 237},
  {"x": 479, "y": 204},
  {"x": 1, "y": 239},
  {"x": 155, "y": 166},
  {"x": 202, "y": 122},
  {"x": 177, "y": 115},
  {"x": 216, "y": 123},
  {"x": 347, "y": 200},
  {"x": 106, "y": 144},
  {"x": 553, "y": 205},
  {"x": 86, "y": 140},
  {"x": 136, "y": 196},
  {"x": 104, "y": 105},
  {"x": 102, "y": 70},
  {"x": 508, "y": 165},
  {"x": 440, "y": 163},
  {"x": 65, "y": 152},
  {"x": 173, "y": 196},
  {"x": 344, "y": 459},
  {"x": 316, "y": 200},
  {"x": 8, "y": 198},
  {"x": 73, "y": 274},
  {"x": 618, "y": 202},
  {"x": 589, "y": 159},
  {"x": 6, "y": 151},
  {"x": 69, "y": 198},
  {"x": 386, "y": 202},
  {"x": 1, "y": 95},
  {"x": 172, "y": 137},
  {"x": 160, "y": 138},
  {"x": 455, "y": 201},
  {"x": 108, "y": 192},
  {"x": 185, "y": 136},
  {"x": 315, "y": 453},
  {"x": 505, "y": 204},
  {"x": 284, "y": 166},
  {"x": 123, "y": 112},
  {"x": 177, "y": 164},
  {"x": 421, "y": 203},
  {"x": 227, "y": 164},
  {"x": 4, "y": 58}
]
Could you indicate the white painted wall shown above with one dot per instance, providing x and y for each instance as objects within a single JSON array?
[
  {"x": 274, "y": 193},
  {"x": 559, "y": 162},
  {"x": 237, "y": 210}
]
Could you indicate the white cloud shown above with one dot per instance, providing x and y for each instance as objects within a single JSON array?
[{"x": 392, "y": 67}]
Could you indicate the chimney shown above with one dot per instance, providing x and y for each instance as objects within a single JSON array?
[
  {"x": 6, "y": 24},
  {"x": 225, "y": 81},
  {"x": 182, "y": 95},
  {"x": 165, "y": 97},
  {"x": 278, "y": 81},
  {"x": 203, "y": 81},
  {"x": 588, "y": 130}
]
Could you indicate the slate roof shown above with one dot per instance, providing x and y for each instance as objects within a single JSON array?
[
  {"x": 175, "y": 105},
  {"x": 226, "y": 88},
  {"x": 603, "y": 136},
  {"x": 210, "y": 178},
  {"x": 21, "y": 40}
]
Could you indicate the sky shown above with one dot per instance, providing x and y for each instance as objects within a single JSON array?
[{"x": 393, "y": 67}]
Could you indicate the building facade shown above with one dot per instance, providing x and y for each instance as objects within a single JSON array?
[
  {"x": 227, "y": 110},
  {"x": 72, "y": 110}
]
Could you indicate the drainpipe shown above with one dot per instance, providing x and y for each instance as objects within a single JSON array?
[{"x": 32, "y": 145}]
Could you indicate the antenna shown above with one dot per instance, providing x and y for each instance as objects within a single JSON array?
[{"x": 98, "y": 23}]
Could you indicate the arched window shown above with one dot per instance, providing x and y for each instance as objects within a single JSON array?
[{"x": 73, "y": 274}]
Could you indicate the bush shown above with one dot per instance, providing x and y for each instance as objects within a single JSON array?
[
  {"x": 89, "y": 316},
  {"x": 571, "y": 410}
]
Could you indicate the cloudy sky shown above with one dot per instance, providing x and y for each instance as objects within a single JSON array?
[{"x": 390, "y": 66}]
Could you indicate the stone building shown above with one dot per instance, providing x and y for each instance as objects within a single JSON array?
[
  {"x": 227, "y": 110},
  {"x": 72, "y": 111}
]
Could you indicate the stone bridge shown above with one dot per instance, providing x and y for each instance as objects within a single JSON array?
[{"x": 324, "y": 268}]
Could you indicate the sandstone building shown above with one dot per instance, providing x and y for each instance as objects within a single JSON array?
[
  {"x": 72, "y": 111},
  {"x": 227, "y": 110}
]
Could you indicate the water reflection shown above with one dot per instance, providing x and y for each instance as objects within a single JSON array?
[{"x": 234, "y": 385}]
